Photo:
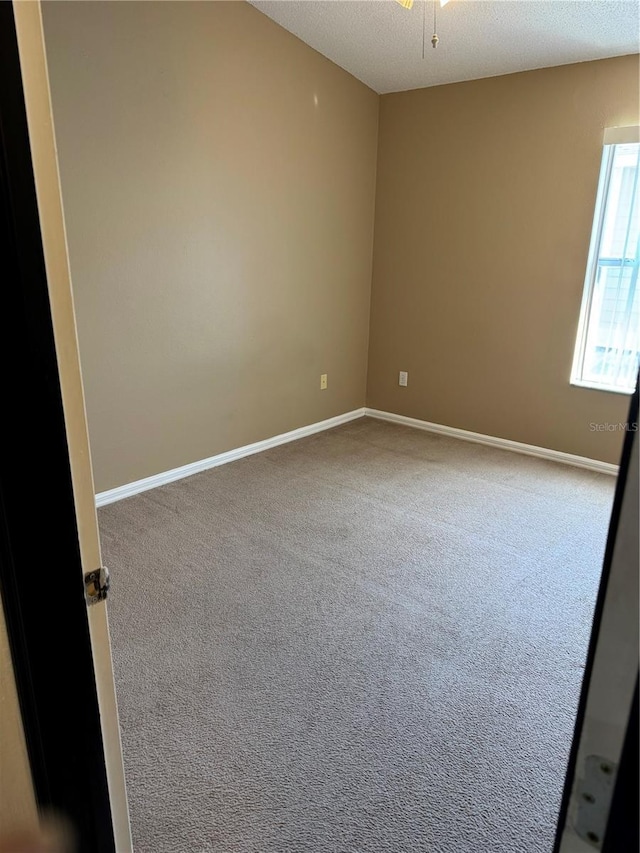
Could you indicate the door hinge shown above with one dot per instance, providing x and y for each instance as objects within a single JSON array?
[
  {"x": 96, "y": 585},
  {"x": 594, "y": 794}
]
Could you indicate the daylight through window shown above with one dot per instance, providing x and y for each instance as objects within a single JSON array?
[{"x": 608, "y": 344}]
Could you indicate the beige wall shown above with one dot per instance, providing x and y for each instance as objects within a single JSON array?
[
  {"x": 484, "y": 206},
  {"x": 218, "y": 180},
  {"x": 219, "y": 177}
]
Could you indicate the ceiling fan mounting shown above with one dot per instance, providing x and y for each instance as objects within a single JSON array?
[{"x": 408, "y": 4}]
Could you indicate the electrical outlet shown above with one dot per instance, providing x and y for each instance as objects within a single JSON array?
[
  {"x": 403, "y": 378},
  {"x": 323, "y": 382}
]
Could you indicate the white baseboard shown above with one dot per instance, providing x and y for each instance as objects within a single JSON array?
[
  {"x": 501, "y": 443},
  {"x": 129, "y": 489}
]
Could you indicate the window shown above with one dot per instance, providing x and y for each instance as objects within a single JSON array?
[{"x": 608, "y": 344}]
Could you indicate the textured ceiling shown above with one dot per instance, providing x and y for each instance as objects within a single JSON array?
[{"x": 380, "y": 43}]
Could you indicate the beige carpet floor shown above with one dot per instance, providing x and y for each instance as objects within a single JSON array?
[{"x": 368, "y": 641}]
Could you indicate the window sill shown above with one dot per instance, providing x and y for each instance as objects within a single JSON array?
[{"x": 594, "y": 386}]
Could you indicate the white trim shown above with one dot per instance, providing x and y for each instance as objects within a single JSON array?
[
  {"x": 135, "y": 488},
  {"x": 606, "y": 165},
  {"x": 595, "y": 386},
  {"x": 129, "y": 489},
  {"x": 621, "y": 135},
  {"x": 501, "y": 443}
]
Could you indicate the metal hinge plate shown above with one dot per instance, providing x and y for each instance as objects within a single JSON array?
[
  {"x": 96, "y": 585},
  {"x": 595, "y": 791}
]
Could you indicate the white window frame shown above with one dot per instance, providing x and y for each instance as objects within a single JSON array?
[{"x": 612, "y": 136}]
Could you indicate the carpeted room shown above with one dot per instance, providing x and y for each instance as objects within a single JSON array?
[{"x": 349, "y": 633}]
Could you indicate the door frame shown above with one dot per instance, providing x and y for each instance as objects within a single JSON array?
[
  {"x": 621, "y": 830},
  {"x": 40, "y": 560}
]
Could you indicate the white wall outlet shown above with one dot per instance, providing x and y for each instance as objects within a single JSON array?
[
  {"x": 403, "y": 379},
  {"x": 323, "y": 382}
]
